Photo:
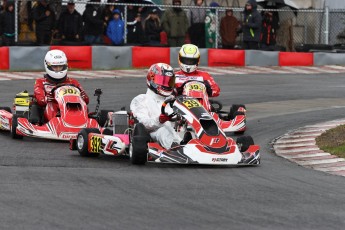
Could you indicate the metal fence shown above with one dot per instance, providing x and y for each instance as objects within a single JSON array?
[{"x": 296, "y": 27}]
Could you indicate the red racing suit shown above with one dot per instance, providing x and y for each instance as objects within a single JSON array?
[
  {"x": 213, "y": 88},
  {"x": 43, "y": 87}
]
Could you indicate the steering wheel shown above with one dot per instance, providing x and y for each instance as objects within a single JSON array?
[
  {"x": 62, "y": 84},
  {"x": 165, "y": 103}
]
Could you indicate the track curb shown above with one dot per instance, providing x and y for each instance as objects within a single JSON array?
[{"x": 299, "y": 146}]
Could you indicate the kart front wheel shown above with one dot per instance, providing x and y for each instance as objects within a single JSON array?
[
  {"x": 83, "y": 142},
  {"x": 244, "y": 142},
  {"x": 14, "y": 125},
  {"x": 138, "y": 145}
]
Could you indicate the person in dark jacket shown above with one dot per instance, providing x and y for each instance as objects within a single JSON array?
[
  {"x": 44, "y": 17},
  {"x": 175, "y": 24},
  {"x": 153, "y": 28},
  {"x": 135, "y": 32},
  {"x": 7, "y": 25},
  {"x": 70, "y": 24},
  {"x": 197, "y": 26},
  {"x": 93, "y": 23},
  {"x": 116, "y": 29},
  {"x": 251, "y": 26},
  {"x": 270, "y": 25}
]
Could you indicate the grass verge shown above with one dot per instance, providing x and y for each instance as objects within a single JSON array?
[{"x": 333, "y": 141}]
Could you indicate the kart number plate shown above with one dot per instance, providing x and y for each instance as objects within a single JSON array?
[
  {"x": 95, "y": 144},
  {"x": 69, "y": 91},
  {"x": 191, "y": 104},
  {"x": 196, "y": 87}
]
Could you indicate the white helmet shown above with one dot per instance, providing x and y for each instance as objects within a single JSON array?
[
  {"x": 55, "y": 63},
  {"x": 189, "y": 58}
]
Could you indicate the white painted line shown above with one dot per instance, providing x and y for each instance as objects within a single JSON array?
[
  {"x": 280, "y": 151},
  {"x": 14, "y": 76},
  {"x": 296, "y": 145},
  {"x": 287, "y": 140},
  {"x": 315, "y": 162},
  {"x": 337, "y": 67},
  {"x": 296, "y": 70},
  {"x": 330, "y": 169},
  {"x": 305, "y": 155}
]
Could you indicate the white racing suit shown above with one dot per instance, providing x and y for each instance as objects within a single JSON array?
[{"x": 147, "y": 108}]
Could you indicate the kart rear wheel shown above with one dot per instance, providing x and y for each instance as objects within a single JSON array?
[
  {"x": 14, "y": 125},
  {"x": 138, "y": 145},
  {"x": 103, "y": 117},
  {"x": 8, "y": 109},
  {"x": 83, "y": 142},
  {"x": 244, "y": 143},
  {"x": 234, "y": 108}
]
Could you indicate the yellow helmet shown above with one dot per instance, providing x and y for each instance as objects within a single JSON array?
[{"x": 189, "y": 58}]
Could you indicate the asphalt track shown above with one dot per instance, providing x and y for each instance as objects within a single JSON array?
[{"x": 43, "y": 185}]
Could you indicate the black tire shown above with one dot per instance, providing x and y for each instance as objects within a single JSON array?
[
  {"x": 8, "y": 109},
  {"x": 234, "y": 108},
  {"x": 82, "y": 142},
  {"x": 103, "y": 117},
  {"x": 14, "y": 125},
  {"x": 244, "y": 143},
  {"x": 138, "y": 146},
  {"x": 108, "y": 132}
]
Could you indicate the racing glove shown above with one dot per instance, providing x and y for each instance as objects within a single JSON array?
[
  {"x": 49, "y": 97},
  {"x": 83, "y": 95},
  {"x": 163, "y": 118},
  {"x": 208, "y": 88}
]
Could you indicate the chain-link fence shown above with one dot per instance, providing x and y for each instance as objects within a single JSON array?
[{"x": 296, "y": 27}]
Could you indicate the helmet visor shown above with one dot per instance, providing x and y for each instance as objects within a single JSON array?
[
  {"x": 189, "y": 61},
  {"x": 165, "y": 81},
  {"x": 57, "y": 68}
]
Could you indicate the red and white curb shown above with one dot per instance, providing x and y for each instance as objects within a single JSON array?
[
  {"x": 299, "y": 146},
  {"x": 214, "y": 71}
]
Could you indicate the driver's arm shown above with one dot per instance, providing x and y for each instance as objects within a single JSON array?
[
  {"x": 39, "y": 93},
  {"x": 141, "y": 112},
  {"x": 214, "y": 86}
]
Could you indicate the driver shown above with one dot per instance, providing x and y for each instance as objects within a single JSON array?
[
  {"x": 188, "y": 59},
  {"x": 55, "y": 63},
  {"x": 146, "y": 108}
]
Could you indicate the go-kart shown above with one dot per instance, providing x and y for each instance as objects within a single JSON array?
[
  {"x": 207, "y": 144},
  {"x": 27, "y": 117},
  {"x": 232, "y": 121}
]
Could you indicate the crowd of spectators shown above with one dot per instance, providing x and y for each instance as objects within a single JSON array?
[{"x": 106, "y": 24}]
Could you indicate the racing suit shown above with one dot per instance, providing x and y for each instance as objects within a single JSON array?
[
  {"x": 42, "y": 90},
  {"x": 147, "y": 108},
  {"x": 212, "y": 87}
]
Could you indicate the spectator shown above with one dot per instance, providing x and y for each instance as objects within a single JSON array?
[
  {"x": 153, "y": 28},
  {"x": 7, "y": 25},
  {"x": 135, "y": 32},
  {"x": 116, "y": 29},
  {"x": 270, "y": 25},
  {"x": 45, "y": 22},
  {"x": 229, "y": 26},
  {"x": 211, "y": 26},
  {"x": 70, "y": 25},
  {"x": 251, "y": 26},
  {"x": 93, "y": 23},
  {"x": 108, "y": 13},
  {"x": 175, "y": 24},
  {"x": 197, "y": 26}
]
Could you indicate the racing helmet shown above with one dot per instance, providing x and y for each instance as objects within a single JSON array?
[
  {"x": 55, "y": 64},
  {"x": 189, "y": 58},
  {"x": 161, "y": 79}
]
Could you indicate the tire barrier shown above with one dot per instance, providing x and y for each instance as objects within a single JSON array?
[{"x": 27, "y": 58}]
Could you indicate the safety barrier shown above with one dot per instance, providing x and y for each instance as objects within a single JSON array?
[
  {"x": 20, "y": 58},
  {"x": 4, "y": 58}
]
